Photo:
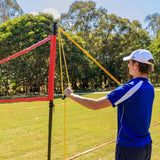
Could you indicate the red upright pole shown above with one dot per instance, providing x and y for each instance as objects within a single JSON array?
[
  {"x": 51, "y": 85},
  {"x": 52, "y": 65}
]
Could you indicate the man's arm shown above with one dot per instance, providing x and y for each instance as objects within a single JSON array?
[{"x": 88, "y": 102}]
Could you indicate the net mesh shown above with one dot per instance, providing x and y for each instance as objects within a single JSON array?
[{"x": 27, "y": 74}]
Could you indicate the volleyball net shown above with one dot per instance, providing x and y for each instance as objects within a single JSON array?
[{"x": 29, "y": 74}]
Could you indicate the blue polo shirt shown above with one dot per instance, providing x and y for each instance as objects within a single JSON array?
[{"x": 134, "y": 102}]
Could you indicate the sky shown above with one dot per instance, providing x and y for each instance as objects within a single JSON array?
[{"x": 130, "y": 9}]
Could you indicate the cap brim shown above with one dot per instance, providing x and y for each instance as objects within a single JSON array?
[{"x": 126, "y": 58}]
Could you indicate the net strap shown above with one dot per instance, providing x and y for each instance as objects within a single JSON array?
[
  {"x": 51, "y": 78},
  {"x": 26, "y": 50}
]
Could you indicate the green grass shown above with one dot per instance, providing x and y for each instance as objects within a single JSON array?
[{"x": 24, "y": 130}]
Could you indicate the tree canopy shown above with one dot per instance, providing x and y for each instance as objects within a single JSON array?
[
  {"x": 153, "y": 24},
  {"x": 107, "y": 37},
  {"x": 9, "y": 9}
]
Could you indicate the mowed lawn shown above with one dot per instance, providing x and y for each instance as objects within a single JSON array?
[{"x": 24, "y": 130}]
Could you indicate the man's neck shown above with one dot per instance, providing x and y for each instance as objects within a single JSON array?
[{"x": 140, "y": 75}]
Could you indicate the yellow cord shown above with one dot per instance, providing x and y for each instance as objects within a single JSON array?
[
  {"x": 110, "y": 75},
  {"x": 155, "y": 118},
  {"x": 60, "y": 57},
  {"x": 69, "y": 84},
  {"x": 64, "y": 129}
]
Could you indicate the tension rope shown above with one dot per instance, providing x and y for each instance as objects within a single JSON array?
[{"x": 69, "y": 84}]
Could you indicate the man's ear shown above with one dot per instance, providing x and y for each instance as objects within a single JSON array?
[{"x": 136, "y": 65}]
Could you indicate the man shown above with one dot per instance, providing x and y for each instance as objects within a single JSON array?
[{"x": 134, "y": 102}]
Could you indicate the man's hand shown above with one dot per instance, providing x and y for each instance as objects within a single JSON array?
[{"x": 68, "y": 91}]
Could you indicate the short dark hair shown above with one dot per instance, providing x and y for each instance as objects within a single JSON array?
[{"x": 145, "y": 68}]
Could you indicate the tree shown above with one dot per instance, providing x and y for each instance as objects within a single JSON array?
[
  {"x": 9, "y": 9},
  {"x": 115, "y": 38},
  {"x": 153, "y": 24},
  {"x": 155, "y": 50},
  {"x": 78, "y": 63},
  {"x": 108, "y": 37},
  {"x": 81, "y": 18}
]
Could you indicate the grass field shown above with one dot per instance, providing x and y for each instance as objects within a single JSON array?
[{"x": 24, "y": 131}]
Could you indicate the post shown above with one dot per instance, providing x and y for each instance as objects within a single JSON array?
[
  {"x": 51, "y": 105},
  {"x": 51, "y": 86}
]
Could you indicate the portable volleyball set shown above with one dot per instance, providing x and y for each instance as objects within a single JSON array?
[{"x": 29, "y": 76}]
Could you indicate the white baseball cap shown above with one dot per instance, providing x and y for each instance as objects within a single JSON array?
[{"x": 140, "y": 55}]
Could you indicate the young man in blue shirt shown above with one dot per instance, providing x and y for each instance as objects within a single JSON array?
[{"x": 134, "y": 101}]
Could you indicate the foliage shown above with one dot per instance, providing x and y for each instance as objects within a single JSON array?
[
  {"x": 79, "y": 66},
  {"x": 153, "y": 24},
  {"x": 107, "y": 37},
  {"x": 155, "y": 49},
  {"x": 9, "y": 9}
]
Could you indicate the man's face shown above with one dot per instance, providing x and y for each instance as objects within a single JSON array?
[{"x": 132, "y": 67}]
